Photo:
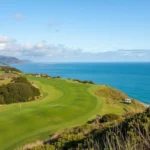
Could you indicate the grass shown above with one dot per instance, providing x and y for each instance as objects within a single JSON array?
[
  {"x": 6, "y": 81},
  {"x": 64, "y": 104},
  {"x": 112, "y": 101},
  {"x": 1, "y": 72}
]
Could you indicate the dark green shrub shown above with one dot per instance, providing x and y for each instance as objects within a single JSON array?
[
  {"x": 109, "y": 117},
  {"x": 148, "y": 111},
  {"x": 21, "y": 80},
  {"x": 18, "y": 91},
  {"x": 8, "y": 69},
  {"x": 85, "y": 81}
]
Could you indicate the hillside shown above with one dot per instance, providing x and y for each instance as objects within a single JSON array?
[
  {"x": 3, "y": 64},
  {"x": 9, "y": 60},
  {"x": 132, "y": 133},
  {"x": 63, "y": 104}
]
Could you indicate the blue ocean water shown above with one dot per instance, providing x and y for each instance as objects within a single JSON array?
[{"x": 131, "y": 78}]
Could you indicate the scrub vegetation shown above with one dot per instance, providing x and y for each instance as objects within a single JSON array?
[
  {"x": 18, "y": 90},
  {"x": 129, "y": 133}
]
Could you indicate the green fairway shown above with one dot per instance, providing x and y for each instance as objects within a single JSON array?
[{"x": 63, "y": 104}]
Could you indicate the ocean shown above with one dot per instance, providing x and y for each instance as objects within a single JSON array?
[{"x": 131, "y": 78}]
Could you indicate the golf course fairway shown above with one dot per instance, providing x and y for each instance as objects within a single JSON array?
[{"x": 63, "y": 104}]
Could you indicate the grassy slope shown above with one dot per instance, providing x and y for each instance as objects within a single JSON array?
[
  {"x": 1, "y": 72},
  {"x": 64, "y": 104},
  {"x": 112, "y": 101},
  {"x": 4, "y": 81}
]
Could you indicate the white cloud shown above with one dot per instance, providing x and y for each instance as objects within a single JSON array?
[
  {"x": 50, "y": 52},
  {"x": 5, "y": 39},
  {"x": 2, "y": 45},
  {"x": 10, "y": 47}
]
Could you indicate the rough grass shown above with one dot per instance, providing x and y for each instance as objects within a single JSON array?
[
  {"x": 6, "y": 81},
  {"x": 63, "y": 105},
  {"x": 113, "y": 101},
  {"x": 1, "y": 72}
]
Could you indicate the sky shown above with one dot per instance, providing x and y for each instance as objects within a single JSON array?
[{"x": 75, "y": 30}]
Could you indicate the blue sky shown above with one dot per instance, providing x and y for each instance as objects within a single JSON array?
[{"x": 75, "y": 28}]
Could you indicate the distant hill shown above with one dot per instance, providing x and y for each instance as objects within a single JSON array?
[
  {"x": 3, "y": 64},
  {"x": 9, "y": 60}
]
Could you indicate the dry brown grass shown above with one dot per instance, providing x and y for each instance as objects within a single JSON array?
[
  {"x": 111, "y": 95},
  {"x": 31, "y": 145}
]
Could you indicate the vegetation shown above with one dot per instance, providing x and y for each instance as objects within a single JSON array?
[
  {"x": 85, "y": 81},
  {"x": 20, "y": 90},
  {"x": 8, "y": 69},
  {"x": 132, "y": 133},
  {"x": 109, "y": 117},
  {"x": 113, "y": 101},
  {"x": 37, "y": 120},
  {"x": 40, "y": 75},
  {"x": 112, "y": 95}
]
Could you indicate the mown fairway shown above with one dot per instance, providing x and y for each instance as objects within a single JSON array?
[{"x": 63, "y": 104}]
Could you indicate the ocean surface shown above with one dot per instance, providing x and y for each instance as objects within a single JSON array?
[{"x": 131, "y": 78}]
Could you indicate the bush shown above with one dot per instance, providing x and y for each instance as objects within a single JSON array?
[
  {"x": 19, "y": 91},
  {"x": 109, "y": 117},
  {"x": 85, "y": 81},
  {"x": 8, "y": 69},
  {"x": 130, "y": 134},
  {"x": 148, "y": 111},
  {"x": 21, "y": 80}
]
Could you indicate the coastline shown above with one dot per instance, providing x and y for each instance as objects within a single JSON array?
[{"x": 131, "y": 78}]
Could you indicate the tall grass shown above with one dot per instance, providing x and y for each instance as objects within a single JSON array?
[{"x": 133, "y": 134}]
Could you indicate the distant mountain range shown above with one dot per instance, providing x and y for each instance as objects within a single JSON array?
[{"x": 4, "y": 60}]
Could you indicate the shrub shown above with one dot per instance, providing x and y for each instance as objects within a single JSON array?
[
  {"x": 19, "y": 91},
  {"x": 85, "y": 81},
  {"x": 130, "y": 134},
  {"x": 109, "y": 117},
  {"x": 21, "y": 80},
  {"x": 8, "y": 69},
  {"x": 148, "y": 111}
]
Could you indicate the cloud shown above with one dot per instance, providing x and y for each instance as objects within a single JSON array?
[
  {"x": 5, "y": 39},
  {"x": 133, "y": 55},
  {"x": 10, "y": 47},
  {"x": 18, "y": 16},
  {"x": 42, "y": 51}
]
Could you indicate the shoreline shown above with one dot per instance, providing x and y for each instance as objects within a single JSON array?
[{"x": 144, "y": 104}]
